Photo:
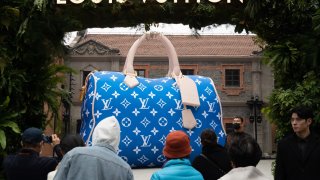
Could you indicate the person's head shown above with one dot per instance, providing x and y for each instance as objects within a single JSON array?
[
  {"x": 71, "y": 141},
  {"x": 32, "y": 138},
  {"x": 107, "y": 132},
  {"x": 238, "y": 124},
  {"x": 301, "y": 119},
  {"x": 177, "y": 145},
  {"x": 208, "y": 138},
  {"x": 244, "y": 150}
]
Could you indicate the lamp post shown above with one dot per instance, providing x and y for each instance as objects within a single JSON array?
[
  {"x": 255, "y": 116},
  {"x": 66, "y": 102}
]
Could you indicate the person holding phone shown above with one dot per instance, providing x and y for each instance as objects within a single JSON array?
[{"x": 27, "y": 163}]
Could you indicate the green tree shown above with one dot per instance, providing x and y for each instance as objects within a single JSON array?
[
  {"x": 290, "y": 29},
  {"x": 30, "y": 42}
]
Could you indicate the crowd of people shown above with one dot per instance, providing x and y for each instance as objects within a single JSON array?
[{"x": 297, "y": 155}]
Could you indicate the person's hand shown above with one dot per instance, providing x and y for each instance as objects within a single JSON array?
[{"x": 55, "y": 139}]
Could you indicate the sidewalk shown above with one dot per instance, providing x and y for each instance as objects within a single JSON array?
[{"x": 145, "y": 174}]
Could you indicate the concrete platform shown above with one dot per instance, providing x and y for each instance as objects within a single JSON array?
[{"x": 145, "y": 174}]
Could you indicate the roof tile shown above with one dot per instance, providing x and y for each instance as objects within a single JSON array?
[{"x": 185, "y": 45}]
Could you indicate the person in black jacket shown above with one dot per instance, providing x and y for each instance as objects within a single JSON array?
[
  {"x": 27, "y": 164},
  {"x": 214, "y": 161},
  {"x": 238, "y": 127},
  {"x": 298, "y": 155}
]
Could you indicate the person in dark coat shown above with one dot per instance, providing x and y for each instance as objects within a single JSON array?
[
  {"x": 27, "y": 164},
  {"x": 238, "y": 127},
  {"x": 214, "y": 161},
  {"x": 298, "y": 155}
]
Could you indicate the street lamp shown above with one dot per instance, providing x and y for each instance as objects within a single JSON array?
[
  {"x": 255, "y": 116},
  {"x": 66, "y": 102}
]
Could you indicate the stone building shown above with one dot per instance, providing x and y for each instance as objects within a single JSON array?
[{"x": 232, "y": 61}]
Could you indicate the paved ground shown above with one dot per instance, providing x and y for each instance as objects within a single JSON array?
[{"x": 145, "y": 174}]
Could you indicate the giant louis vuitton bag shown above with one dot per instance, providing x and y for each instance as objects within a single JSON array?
[{"x": 148, "y": 109}]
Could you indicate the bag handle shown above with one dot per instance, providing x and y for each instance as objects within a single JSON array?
[
  {"x": 188, "y": 89},
  {"x": 171, "y": 52}
]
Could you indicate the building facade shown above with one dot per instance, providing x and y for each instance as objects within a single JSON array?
[{"x": 232, "y": 61}]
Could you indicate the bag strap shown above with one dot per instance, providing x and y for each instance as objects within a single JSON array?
[
  {"x": 174, "y": 66},
  {"x": 213, "y": 163}
]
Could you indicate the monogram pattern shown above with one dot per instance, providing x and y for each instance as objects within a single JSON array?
[{"x": 147, "y": 113}]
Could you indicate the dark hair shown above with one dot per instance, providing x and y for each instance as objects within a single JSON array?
[
  {"x": 238, "y": 117},
  {"x": 208, "y": 137},
  {"x": 71, "y": 141},
  {"x": 303, "y": 112},
  {"x": 244, "y": 150}
]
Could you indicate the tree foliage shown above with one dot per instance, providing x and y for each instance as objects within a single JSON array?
[
  {"x": 291, "y": 30},
  {"x": 30, "y": 42}
]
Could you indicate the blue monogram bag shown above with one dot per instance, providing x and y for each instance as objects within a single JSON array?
[{"x": 148, "y": 109}]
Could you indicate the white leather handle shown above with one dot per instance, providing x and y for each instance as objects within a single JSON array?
[
  {"x": 188, "y": 88},
  {"x": 171, "y": 52}
]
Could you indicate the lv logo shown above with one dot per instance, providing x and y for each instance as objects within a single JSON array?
[
  {"x": 144, "y": 103},
  {"x": 107, "y": 104},
  {"x": 145, "y": 140}
]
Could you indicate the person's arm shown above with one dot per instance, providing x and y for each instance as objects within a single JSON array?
[
  {"x": 56, "y": 147},
  {"x": 279, "y": 173},
  {"x": 228, "y": 140}
]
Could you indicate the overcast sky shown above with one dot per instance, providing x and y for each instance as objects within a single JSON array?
[{"x": 167, "y": 29}]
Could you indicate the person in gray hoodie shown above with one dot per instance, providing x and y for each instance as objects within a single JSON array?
[{"x": 99, "y": 161}]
